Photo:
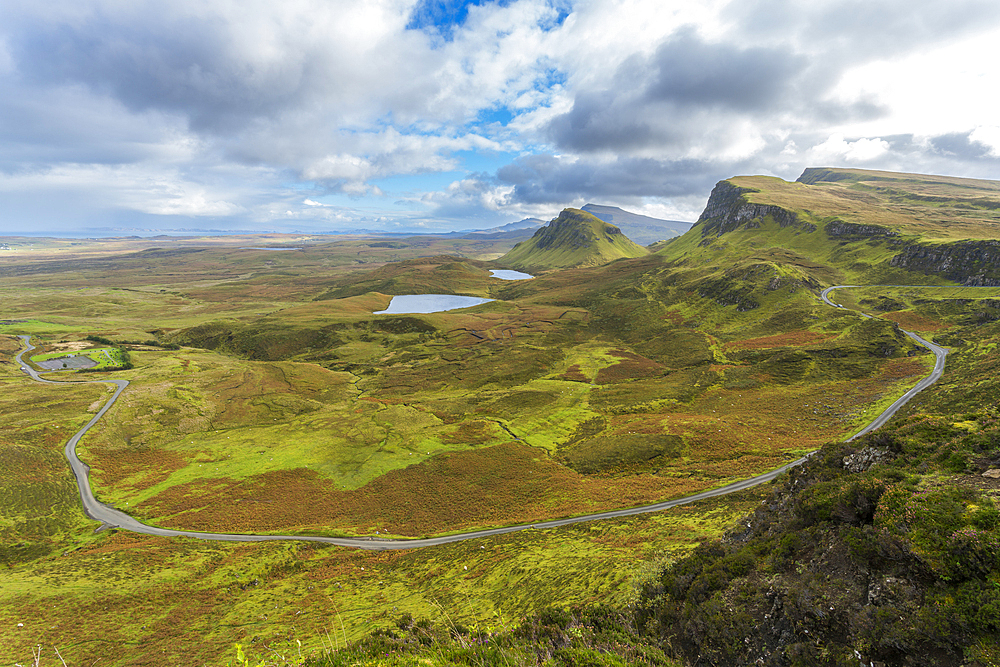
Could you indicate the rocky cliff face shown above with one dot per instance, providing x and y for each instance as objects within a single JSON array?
[
  {"x": 728, "y": 210},
  {"x": 972, "y": 263},
  {"x": 851, "y": 231}
]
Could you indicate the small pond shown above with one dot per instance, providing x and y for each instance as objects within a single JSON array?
[
  {"x": 507, "y": 274},
  {"x": 429, "y": 303}
]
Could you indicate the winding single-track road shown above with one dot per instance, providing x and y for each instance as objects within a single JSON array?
[
  {"x": 112, "y": 517},
  {"x": 939, "y": 355}
]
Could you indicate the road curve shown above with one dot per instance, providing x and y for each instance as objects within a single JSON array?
[
  {"x": 939, "y": 357},
  {"x": 112, "y": 517}
]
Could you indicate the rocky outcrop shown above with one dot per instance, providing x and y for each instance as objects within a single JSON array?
[
  {"x": 813, "y": 175},
  {"x": 866, "y": 458},
  {"x": 728, "y": 209},
  {"x": 971, "y": 263},
  {"x": 851, "y": 231}
]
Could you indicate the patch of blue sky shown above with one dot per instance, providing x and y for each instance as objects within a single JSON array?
[
  {"x": 501, "y": 115},
  {"x": 441, "y": 17},
  {"x": 563, "y": 9},
  {"x": 549, "y": 79},
  {"x": 484, "y": 161},
  {"x": 402, "y": 185},
  {"x": 410, "y": 185}
]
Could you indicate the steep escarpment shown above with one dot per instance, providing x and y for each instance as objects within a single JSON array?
[
  {"x": 575, "y": 238},
  {"x": 729, "y": 209},
  {"x": 851, "y": 225},
  {"x": 972, "y": 263}
]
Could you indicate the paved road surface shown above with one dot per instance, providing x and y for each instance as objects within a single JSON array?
[
  {"x": 939, "y": 356},
  {"x": 112, "y": 517}
]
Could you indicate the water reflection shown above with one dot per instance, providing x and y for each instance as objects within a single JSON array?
[
  {"x": 429, "y": 303},
  {"x": 507, "y": 274}
]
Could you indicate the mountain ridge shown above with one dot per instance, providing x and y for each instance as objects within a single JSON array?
[
  {"x": 853, "y": 225},
  {"x": 573, "y": 239}
]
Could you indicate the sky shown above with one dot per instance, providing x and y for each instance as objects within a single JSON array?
[{"x": 133, "y": 116}]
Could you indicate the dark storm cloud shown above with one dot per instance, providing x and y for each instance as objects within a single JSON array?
[
  {"x": 544, "y": 179},
  {"x": 681, "y": 91},
  {"x": 961, "y": 146},
  {"x": 597, "y": 121},
  {"x": 777, "y": 67},
  {"x": 157, "y": 61},
  {"x": 688, "y": 71},
  {"x": 64, "y": 125}
]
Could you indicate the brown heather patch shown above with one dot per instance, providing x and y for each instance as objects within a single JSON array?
[
  {"x": 9, "y": 345},
  {"x": 471, "y": 432},
  {"x": 744, "y": 466},
  {"x": 111, "y": 467},
  {"x": 910, "y": 320},
  {"x": 574, "y": 374},
  {"x": 674, "y": 318},
  {"x": 790, "y": 339},
  {"x": 632, "y": 367},
  {"x": 727, "y": 426},
  {"x": 48, "y": 437},
  {"x": 509, "y": 483},
  {"x": 148, "y": 547},
  {"x": 726, "y": 441},
  {"x": 648, "y": 424},
  {"x": 901, "y": 369},
  {"x": 30, "y": 466},
  {"x": 718, "y": 368}
]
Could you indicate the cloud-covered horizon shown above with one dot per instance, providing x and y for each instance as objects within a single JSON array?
[{"x": 420, "y": 114}]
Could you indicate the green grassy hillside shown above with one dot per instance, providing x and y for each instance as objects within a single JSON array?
[
  {"x": 267, "y": 396},
  {"x": 848, "y": 226},
  {"x": 575, "y": 238}
]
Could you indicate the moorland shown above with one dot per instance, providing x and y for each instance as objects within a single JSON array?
[{"x": 265, "y": 397}]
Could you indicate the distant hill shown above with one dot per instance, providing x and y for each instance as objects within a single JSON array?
[
  {"x": 513, "y": 230},
  {"x": 575, "y": 238},
  {"x": 640, "y": 228}
]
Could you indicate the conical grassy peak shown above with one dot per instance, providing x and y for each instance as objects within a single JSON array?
[{"x": 575, "y": 238}]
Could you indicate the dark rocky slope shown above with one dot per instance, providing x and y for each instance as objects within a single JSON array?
[{"x": 856, "y": 557}]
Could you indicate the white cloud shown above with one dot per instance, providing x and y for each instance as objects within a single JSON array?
[
  {"x": 859, "y": 150},
  {"x": 340, "y": 167},
  {"x": 988, "y": 135},
  {"x": 148, "y": 190},
  {"x": 212, "y": 107}
]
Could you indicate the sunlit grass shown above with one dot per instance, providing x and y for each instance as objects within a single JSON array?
[
  {"x": 430, "y": 425},
  {"x": 163, "y": 601}
]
